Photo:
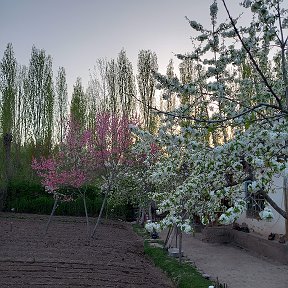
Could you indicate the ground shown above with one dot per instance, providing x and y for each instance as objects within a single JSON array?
[
  {"x": 66, "y": 257},
  {"x": 236, "y": 267}
]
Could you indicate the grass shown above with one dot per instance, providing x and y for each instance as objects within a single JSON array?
[{"x": 183, "y": 275}]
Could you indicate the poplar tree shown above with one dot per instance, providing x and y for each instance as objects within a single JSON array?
[
  {"x": 41, "y": 98},
  {"x": 147, "y": 64},
  {"x": 125, "y": 83},
  {"x": 61, "y": 104},
  {"x": 8, "y": 68},
  {"x": 112, "y": 87},
  {"x": 78, "y": 104}
]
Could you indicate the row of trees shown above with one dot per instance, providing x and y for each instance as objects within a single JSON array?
[
  {"x": 35, "y": 108},
  {"x": 223, "y": 123}
]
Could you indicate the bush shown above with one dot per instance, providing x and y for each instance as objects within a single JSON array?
[{"x": 26, "y": 197}]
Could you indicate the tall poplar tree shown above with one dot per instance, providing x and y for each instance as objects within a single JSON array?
[
  {"x": 147, "y": 64},
  {"x": 41, "y": 97},
  {"x": 61, "y": 103},
  {"x": 78, "y": 104},
  {"x": 8, "y": 69},
  {"x": 125, "y": 83},
  {"x": 112, "y": 87}
]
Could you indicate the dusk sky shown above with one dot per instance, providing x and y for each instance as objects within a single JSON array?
[{"x": 78, "y": 32}]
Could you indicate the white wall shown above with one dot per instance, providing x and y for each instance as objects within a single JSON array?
[{"x": 277, "y": 225}]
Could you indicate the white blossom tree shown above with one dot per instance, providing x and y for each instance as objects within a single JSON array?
[{"x": 242, "y": 82}]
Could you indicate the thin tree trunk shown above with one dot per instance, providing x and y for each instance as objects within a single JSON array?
[
  {"x": 285, "y": 191},
  {"x": 150, "y": 212},
  {"x": 7, "y": 139},
  {"x": 176, "y": 236},
  {"x": 139, "y": 215},
  {"x": 168, "y": 236},
  {"x": 180, "y": 246},
  {"x": 100, "y": 214},
  {"x": 86, "y": 213},
  {"x": 52, "y": 213},
  {"x": 142, "y": 218}
]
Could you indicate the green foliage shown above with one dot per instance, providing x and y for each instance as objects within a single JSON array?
[
  {"x": 8, "y": 68},
  {"x": 123, "y": 211},
  {"x": 78, "y": 104},
  {"x": 44, "y": 204},
  {"x": 138, "y": 229},
  {"x": 28, "y": 197}
]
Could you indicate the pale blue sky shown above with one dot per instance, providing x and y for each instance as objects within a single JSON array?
[{"x": 77, "y": 32}]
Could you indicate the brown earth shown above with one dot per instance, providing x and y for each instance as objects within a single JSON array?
[{"x": 66, "y": 257}]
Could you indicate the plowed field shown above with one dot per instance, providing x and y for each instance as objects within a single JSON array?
[{"x": 66, "y": 257}]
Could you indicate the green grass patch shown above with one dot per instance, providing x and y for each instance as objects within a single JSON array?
[
  {"x": 183, "y": 275},
  {"x": 139, "y": 230}
]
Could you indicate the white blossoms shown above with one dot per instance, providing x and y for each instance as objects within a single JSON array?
[
  {"x": 152, "y": 227},
  {"x": 232, "y": 213},
  {"x": 266, "y": 214}
]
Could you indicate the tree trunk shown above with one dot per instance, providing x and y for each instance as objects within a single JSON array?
[
  {"x": 52, "y": 213},
  {"x": 3, "y": 195},
  {"x": 274, "y": 205},
  {"x": 180, "y": 246},
  {"x": 285, "y": 191},
  {"x": 86, "y": 213},
  {"x": 100, "y": 214},
  {"x": 7, "y": 139},
  {"x": 170, "y": 230}
]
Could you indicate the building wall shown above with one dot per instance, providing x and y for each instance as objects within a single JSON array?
[{"x": 277, "y": 225}]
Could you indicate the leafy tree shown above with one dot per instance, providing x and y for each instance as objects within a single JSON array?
[
  {"x": 111, "y": 75},
  {"x": 72, "y": 166},
  {"x": 41, "y": 98},
  {"x": 8, "y": 70},
  {"x": 112, "y": 143},
  {"x": 78, "y": 106},
  {"x": 125, "y": 84},
  {"x": 147, "y": 65},
  {"x": 61, "y": 103},
  {"x": 249, "y": 108}
]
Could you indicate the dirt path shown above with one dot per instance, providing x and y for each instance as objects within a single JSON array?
[
  {"x": 66, "y": 258},
  {"x": 234, "y": 266}
]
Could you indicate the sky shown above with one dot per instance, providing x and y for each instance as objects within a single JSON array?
[{"x": 78, "y": 32}]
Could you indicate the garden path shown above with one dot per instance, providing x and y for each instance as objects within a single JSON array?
[{"x": 234, "y": 266}]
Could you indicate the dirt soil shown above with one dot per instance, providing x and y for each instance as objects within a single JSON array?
[{"x": 66, "y": 257}]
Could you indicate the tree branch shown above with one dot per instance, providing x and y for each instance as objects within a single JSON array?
[
  {"x": 274, "y": 205},
  {"x": 252, "y": 59},
  {"x": 219, "y": 120}
]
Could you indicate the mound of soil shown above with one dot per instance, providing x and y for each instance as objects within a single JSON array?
[{"x": 66, "y": 257}]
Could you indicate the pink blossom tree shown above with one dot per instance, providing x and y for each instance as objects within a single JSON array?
[
  {"x": 70, "y": 166},
  {"x": 113, "y": 141},
  {"x": 84, "y": 156}
]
